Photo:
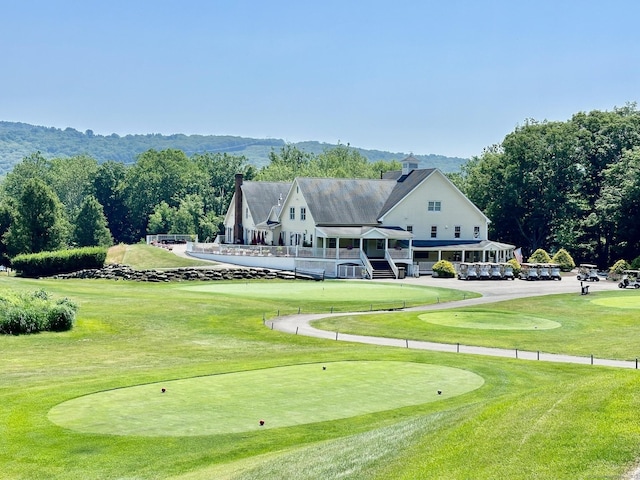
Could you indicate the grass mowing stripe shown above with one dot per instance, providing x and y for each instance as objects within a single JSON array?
[{"x": 281, "y": 397}]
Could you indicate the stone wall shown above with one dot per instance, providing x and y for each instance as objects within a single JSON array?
[{"x": 123, "y": 272}]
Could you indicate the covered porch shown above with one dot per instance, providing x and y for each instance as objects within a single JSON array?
[{"x": 427, "y": 253}]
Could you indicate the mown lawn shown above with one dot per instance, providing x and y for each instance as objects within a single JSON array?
[
  {"x": 603, "y": 324},
  {"x": 527, "y": 420}
]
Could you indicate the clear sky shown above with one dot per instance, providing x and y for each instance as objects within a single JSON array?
[{"x": 448, "y": 77}]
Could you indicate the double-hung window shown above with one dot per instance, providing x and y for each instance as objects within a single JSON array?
[
  {"x": 434, "y": 231},
  {"x": 434, "y": 206},
  {"x": 292, "y": 213},
  {"x": 303, "y": 213}
]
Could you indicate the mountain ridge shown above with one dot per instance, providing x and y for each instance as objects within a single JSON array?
[{"x": 19, "y": 140}]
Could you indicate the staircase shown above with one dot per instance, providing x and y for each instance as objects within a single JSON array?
[{"x": 382, "y": 269}]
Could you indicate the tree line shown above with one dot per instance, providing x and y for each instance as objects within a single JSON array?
[
  {"x": 572, "y": 185},
  {"x": 549, "y": 185},
  {"x": 50, "y": 204}
]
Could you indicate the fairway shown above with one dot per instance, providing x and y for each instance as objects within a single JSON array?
[
  {"x": 334, "y": 291},
  {"x": 488, "y": 320},
  {"x": 281, "y": 397}
]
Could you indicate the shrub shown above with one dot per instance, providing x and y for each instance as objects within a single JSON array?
[
  {"x": 615, "y": 271},
  {"x": 444, "y": 268},
  {"x": 35, "y": 312},
  {"x": 565, "y": 260},
  {"x": 63, "y": 261},
  {"x": 516, "y": 266},
  {"x": 539, "y": 256},
  {"x": 635, "y": 264}
]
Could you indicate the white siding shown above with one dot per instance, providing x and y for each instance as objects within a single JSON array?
[{"x": 456, "y": 210}]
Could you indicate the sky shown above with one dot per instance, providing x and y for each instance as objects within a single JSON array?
[{"x": 447, "y": 77}]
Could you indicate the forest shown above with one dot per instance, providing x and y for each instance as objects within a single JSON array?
[
  {"x": 19, "y": 140},
  {"x": 551, "y": 185}
]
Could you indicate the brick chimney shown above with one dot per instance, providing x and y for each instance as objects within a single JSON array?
[{"x": 238, "y": 236}]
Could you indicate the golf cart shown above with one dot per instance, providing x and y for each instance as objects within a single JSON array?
[
  {"x": 630, "y": 279},
  {"x": 507, "y": 271},
  {"x": 555, "y": 271},
  {"x": 467, "y": 271},
  {"x": 496, "y": 271},
  {"x": 544, "y": 271},
  {"x": 588, "y": 273},
  {"x": 529, "y": 271},
  {"x": 484, "y": 271}
]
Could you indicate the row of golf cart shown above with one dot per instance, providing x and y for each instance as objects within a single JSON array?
[
  {"x": 540, "y": 271},
  {"x": 485, "y": 271}
]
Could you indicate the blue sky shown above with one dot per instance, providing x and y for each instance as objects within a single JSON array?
[{"x": 445, "y": 77}]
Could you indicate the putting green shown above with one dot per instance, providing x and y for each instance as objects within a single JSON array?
[
  {"x": 282, "y": 397},
  {"x": 618, "y": 302},
  {"x": 317, "y": 290},
  {"x": 488, "y": 320}
]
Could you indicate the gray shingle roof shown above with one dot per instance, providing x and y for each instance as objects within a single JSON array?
[
  {"x": 404, "y": 185},
  {"x": 341, "y": 201},
  {"x": 262, "y": 196}
]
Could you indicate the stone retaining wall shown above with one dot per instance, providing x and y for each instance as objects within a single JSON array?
[{"x": 123, "y": 272}]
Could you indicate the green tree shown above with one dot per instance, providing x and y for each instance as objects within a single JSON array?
[
  {"x": 161, "y": 220},
  {"x": 109, "y": 189},
  {"x": 6, "y": 219},
  {"x": 90, "y": 228},
  {"x": 72, "y": 179},
  {"x": 39, "y": 223},
  {"x": 165, "y": 176},
  {"x": 33, "y": 166}
]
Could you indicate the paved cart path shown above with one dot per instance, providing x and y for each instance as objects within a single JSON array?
[{"x": 492, "y": 291}]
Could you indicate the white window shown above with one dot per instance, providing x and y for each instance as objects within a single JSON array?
[
  {"x": 434, "y": 231},
  {"x": 292, "y": 213},
  {"x": 303, "y": 213},
  {"x": 410, "y": 228},
  {"x": 246, "y": 212},
  {"x": 456, "y": 231},
  {"x": 434, "y": 206},
  {"x": 476, "y": 232}
]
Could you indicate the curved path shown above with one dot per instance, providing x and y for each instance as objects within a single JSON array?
[{"x": 492, "y": 291}]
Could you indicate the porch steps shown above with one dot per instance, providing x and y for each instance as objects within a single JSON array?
[{"x": 382, "y": 269}]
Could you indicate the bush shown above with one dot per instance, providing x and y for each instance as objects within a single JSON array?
[
  {"x": 63, "y": 261},
  {"x": 35, "y": 312},
  {"x": 539, "y": 256},
  {"x": 444, "y": 268},
  {"x": 516, "y": 266},
  {"x": 635, "y": 264},
  {"x": 565, "y": 260},
  {"x": 615, "y": 271}
]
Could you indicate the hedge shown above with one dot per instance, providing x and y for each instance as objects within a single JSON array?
[{"x": 45, "y": 264}]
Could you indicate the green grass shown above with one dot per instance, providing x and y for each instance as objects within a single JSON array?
[
  {"x": 527, "y": 420},
  {"x": 145, "y": 257},
  {"x": 603, "y": 324},
  {"x": 280, "y": 397}
]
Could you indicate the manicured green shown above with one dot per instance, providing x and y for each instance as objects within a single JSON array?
[
  {"x": 527, "y": 420},
  {"x": 279, "y": 397},
  {"x": 333, "y": 296},
  {"x": 603, "y": 324}
]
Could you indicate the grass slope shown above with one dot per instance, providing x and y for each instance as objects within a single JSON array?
[{"x": 528, "y": 419}]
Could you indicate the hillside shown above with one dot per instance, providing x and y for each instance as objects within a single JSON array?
[{"x": 18, "y": 140}]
